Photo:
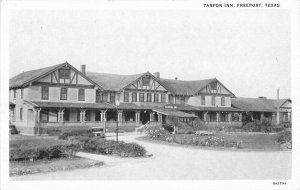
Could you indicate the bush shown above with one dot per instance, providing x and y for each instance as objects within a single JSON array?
[
  {"x": 102, "y": 146},
  {"x": 259, "y": 126},
  {"x": 13, "y": 130},
  {"x": 129, "y": 150},
  {"x": 61, "y": 149},
  {"x": 283, "y": 137},
  {"x": 157, "y": 133},
  {"x": 76, "y": 132},
  {"x": 51, "y": 131}
]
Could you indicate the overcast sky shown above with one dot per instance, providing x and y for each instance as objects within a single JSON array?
[{"x": 248, "y": 50}]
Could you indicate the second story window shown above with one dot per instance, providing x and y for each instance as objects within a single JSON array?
[
  {"x": 64, "y": 73},
  {"x": 134, "y": 97},
  {"x": 63, "y": 93},
  {"x": 112, "y": 98},
  {"x": 182, "y": 100},
  {"x": 21, "y": 114},
  {"x": 171, "y": 99},
  {"x": 222, "y": 101},
  {"x": 177, "y": 99},
  {"x": 213, "y": 100},
  {"x": 81, "y": 94},
  {"x": 126, "y": 96},
  {"x": 45, "y": 92},
  {"x": 22, "y": 92},
  {"x": 203, "y": 100},
  {"x": 98, "y": 96},
  {"x": 163, "y": 98},
  {"x": 141, "y": 98},
  {"x": 149, "y": 97},
  {"x": 155, "y": 97},
  {"x": 15, "y": 93},
  {"x": 105, "y": 97}
]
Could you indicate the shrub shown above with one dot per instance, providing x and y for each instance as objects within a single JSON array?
[
  {"x": 51, "y": 131},
  {"x": 13, "y": 130},
  {"x": 76, "y": 132},
  {"x": 283, "y": 137},
  {"x": 157, "y": 133},
  {"x": 61, "y": 149},
  {"x": 102, "y": 146},
  {"x": 129, "y": 150}
]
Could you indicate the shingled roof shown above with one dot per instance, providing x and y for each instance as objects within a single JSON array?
[
  {"x": 26, "y": 77},
  {"x": 185, "y": 87},
  {"x": 257, "y": 104},
  {"x": 113, "y": 82}
]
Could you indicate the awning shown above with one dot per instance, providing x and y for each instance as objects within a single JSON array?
[
  {"x": 175, "y": 113},
  {"x": 73, "y": 105}
]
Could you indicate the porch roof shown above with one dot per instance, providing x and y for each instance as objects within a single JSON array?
[
  {"x": 173, "y": 113},
  {"x": 218, "y": 109},
  {"x": 73, "y": 105},
  {"x": 186, "y": 107},
  {"x": 132, "y": 106}
]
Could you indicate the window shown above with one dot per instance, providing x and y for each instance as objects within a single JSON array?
[
  {"x": 182, "y": 100},
  {"x": 213, "y": 86},
  {"x": 97, "y": 115},
  {"x": 45, "y": 92},
  {"x": 98, "y": 96},
  {"x": 146, "y": 81},
  {"x": 141, "y": 98},
  {"x": 202, "y": 100},
  {"x": 213, "y": 100},
  {"x": 21, "y": 114},
  {"x": 81, "y": 94},
  {"x": 149, "y": 97},
  {"x": 213, "y": 116},
  {"x": 177, "y": 99},
  {"x": 224, "y": 116},
  {"x": 155, "y": 97},
  {"x": 134, "y": 96},
  {"x": 22, "y": 91},
  {"x": 171, "y": 99},
  {"x": 126, "y": 96},
  {"x": 163, "y": 98},
  {"x": 112, "y": 98},
  {"x": 87, "y": 115},
  {"x": 105, "y": 96},
  {"x": 15, "y": 93},
  {"x": 64, "y": 73},
  {"x": 66, "y": 115},
  {"x": 63, "y": 93},
  {"x": 222, "y": 101},
  {"x": 44, "y": 115}
]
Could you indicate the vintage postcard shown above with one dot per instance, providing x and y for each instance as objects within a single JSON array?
[{"x": 149, "y": 95}]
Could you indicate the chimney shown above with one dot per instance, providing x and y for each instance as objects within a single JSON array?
[
  {"x": 156, "y": 74},
  {"x": 82, "y": 69},
  {"x": 176, "y": 78}
]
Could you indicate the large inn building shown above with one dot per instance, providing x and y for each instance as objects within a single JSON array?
[{"x": 61, "y": 95}]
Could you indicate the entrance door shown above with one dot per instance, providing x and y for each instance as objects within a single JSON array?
[{"x": 145, "y": 116}]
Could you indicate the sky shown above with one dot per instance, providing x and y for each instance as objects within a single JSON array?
[{"x": 248, "y": 50}]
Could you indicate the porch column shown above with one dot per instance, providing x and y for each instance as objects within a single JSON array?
[
  {"x": 273, "y": 117},
  {"x": 159, "y": 117},
  {"x": 218, "y": 116},
  {"x": 61, "y": 116},
  {"x": 151, "y": 116},
  {"x": 262, "y": 115},
  {"x": 82, "y": 113},
  {"x": 103, "y": 120},
  {"x": 137, "y": 118},
  {"x": 289, "y": 116},
  {"x": 240, "y": 117},
  {"x": 38, "y": 120},
  {"x": 120, "y": 114},
  {"x": 205, "y": 116},
  {"x": 229, "y": 117}
]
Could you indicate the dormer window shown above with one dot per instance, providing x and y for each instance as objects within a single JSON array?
[
  {"x": 64, "y": 73},
  {"x": 213, "y": 86},
  {"x": 146, "y": 81}
]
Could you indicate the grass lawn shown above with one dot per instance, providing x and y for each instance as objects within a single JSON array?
[
  {"x": 41, "y": 166},
  {"x": 16, "y": 140}
]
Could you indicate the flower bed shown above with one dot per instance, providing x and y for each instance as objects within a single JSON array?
[{"x": 157, "y": 133}]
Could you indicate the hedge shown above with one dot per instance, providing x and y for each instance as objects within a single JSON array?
[
  {"x": 76, "y": 132},
  {"x": 36, "y": 152}
]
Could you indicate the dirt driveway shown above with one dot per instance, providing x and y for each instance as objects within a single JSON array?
[{"x": 174, "y": 163}]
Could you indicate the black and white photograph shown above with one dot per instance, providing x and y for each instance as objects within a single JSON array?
[{"x": 149, "y": 92}]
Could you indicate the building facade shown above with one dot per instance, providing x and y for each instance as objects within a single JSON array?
[{"x": 62, "y": 96}]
